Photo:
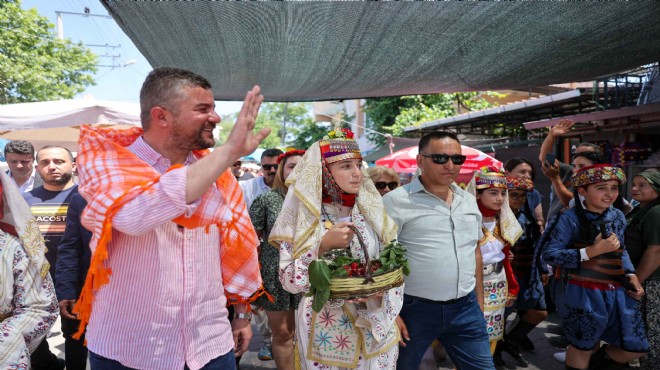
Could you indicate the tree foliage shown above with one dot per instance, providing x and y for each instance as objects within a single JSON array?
[
  {"x": 34, "y": 65},
  {"x": 393, "y": 114},
  {"x": 299, "y": 125}
]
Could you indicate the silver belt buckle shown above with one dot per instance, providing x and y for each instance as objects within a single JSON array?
[{"x": 489, "y": 268}]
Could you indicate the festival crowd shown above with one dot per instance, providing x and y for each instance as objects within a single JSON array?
[{"x": 157, "y": 253}]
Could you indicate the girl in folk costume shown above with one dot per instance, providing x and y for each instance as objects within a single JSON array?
[
  {"x": 501, "y": 230},
  {"x": 28, "y": 306},
  {"x": 281, "y": 309},
  {"x": 329, "y": 199},
  {"x": 601, "y": 293},
  {"x": 528, "y": 270}
]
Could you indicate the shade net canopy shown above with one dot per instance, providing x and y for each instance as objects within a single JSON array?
[{"x": 302, "y": 51}]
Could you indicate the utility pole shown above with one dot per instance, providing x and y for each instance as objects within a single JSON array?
[{"x": 114, "y": 57}]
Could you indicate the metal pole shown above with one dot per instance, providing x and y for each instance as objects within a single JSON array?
[
  {"x": 284, "y": 118},
  {"x": 60, "y": 26}
]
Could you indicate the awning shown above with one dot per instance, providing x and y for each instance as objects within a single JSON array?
[
  {"x": 305, "y": 50},
  {"x": 639, "y": 110}
]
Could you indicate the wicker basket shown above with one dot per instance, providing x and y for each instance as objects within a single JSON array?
[{"x": 363, "y": 286}]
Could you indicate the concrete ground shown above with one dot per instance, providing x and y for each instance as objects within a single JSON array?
[{"x": 540, "y": 359}]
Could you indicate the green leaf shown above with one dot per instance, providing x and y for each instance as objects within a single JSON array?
[
  {"x": 343, "y": 260},
  {"x": 320, "y": 299},
  {"x": 340, "y": 272},
  {"x": 406, "y": 269},
  {"x": 319, "y": 275}
]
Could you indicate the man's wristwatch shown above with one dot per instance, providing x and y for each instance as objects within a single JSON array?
[{"x": 243, "y": 315}]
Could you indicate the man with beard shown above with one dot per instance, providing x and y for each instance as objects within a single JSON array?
[
  {"x": 50, "y": 201},
  {"x": 172, "y": 241},
  {"x": 49, "y": 204}
]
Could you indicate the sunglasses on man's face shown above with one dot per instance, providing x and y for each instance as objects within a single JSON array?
[
  {"x": 380, "y": 185},
  {"x": 269, "y": 167},
  {"x": 441, "y": 158},
  {"x": 237, "y": 164}
]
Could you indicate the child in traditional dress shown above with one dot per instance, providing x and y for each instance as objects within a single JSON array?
[
  {"x": 601, "y": 292},
  {"x": 501, "y": 230},
  {"x": 527, "y": 268},
  {"x": 330, "y": 206}
]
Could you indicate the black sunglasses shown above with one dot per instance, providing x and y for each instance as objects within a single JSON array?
[
  {"x": 380, "y": 185},
  {"x": 269, "y": 167},
  {"x": 441, "y": 158},
  {"x": 237, "y": 164}
]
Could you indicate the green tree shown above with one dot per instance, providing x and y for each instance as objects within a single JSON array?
[
  {"x": 296, "y": 115},
  {"x": 34, "y": 65},
  {"x": 393, "y": 114}
]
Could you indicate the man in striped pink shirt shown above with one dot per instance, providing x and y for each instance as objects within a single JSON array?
[{"x": 164, "y": 306}]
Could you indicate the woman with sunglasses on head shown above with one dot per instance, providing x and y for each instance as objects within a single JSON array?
[
  {"x": 384, "y": 179},
  {"x": 331, "y": 210},
  {"x": 643, "y": 244},
  {"x": 598, "y": 300},
  {"x": 263, "y": 213},
  {"x": 500, "y": 230}
]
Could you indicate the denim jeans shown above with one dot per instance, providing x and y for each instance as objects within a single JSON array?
[
  {"x": 224, "y": 362},
  {"x": 459, "y": 325}
]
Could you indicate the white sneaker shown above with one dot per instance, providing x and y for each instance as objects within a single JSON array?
[{"x": 560, "y": 356}]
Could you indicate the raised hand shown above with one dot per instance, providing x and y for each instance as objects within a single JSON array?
[
  {"x": 243, "y": 140},
  {"x": 562, "y": 127}
]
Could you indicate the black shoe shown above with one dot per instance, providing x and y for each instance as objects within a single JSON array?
[
  {"x": 558, "y": 342},
  {"x": 499, "y": 363},
  {"x": 497, "y": 356},
  {"x": 526, "y": 344},
  {"x": 514, "y": 351}
]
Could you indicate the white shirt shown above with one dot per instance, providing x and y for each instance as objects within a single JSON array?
[
  {"x": 491, "y": 250},
  {"x": 252, "y": 188},
  {"x": 28, "y": 185}
]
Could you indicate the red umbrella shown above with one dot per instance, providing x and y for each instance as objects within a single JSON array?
[{"x": 404, "y": 161}]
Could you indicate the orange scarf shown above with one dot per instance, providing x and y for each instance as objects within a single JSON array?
[{"x": 111, "y": 176}]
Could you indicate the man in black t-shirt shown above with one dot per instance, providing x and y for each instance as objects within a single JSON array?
[{"x": 49, "y": 204}]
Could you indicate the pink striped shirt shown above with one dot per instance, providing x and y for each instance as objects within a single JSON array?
[{"x": 165, "y": 305}]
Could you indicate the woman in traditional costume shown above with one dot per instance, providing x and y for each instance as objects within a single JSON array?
[
  {"x": 279, "y": 304},
  {"x": 600, "y": 293},
  {"x": 330, "y": 199},
  {"x": 501, "y": 230},
  {"x": 643, "y": 245},
  {"x": 28, "y": 306}
]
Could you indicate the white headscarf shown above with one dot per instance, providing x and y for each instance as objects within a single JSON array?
[{"x": 17, "y": 213}]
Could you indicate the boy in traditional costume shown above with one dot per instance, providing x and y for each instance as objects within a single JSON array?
[{"x": 600, "y": 288}]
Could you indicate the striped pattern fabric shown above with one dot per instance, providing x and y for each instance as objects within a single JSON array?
[{"x": 154, "y": 278}]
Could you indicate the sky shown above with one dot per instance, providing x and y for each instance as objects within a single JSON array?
[{"x": 121, "y": 81}]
